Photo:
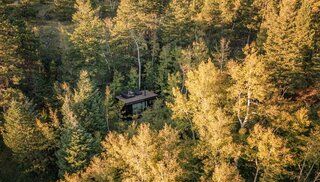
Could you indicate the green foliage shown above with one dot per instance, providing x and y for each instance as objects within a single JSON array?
[
  {"x": 23, "y": 136},
  {"x": 88, "y": 44},
  {"x": 117, "y": 83},
  {"x": 76, "y": 146},
  {"x": 87, "y": 105},
  {"x": 64, "y": 8},
  {"x": 177, "y": 23},
  {"x": 133, "y": 79},
  {"x": 237, "y": 79}
]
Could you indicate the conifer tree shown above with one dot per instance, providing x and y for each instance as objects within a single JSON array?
[
  {"x": 116, "y": 85},
  {"x": 23, "y": 137},
  {"x": 284, "y": 55},
  {"x": 88, "y": 105},
  {"x": 305, "y": 40},
  {"x": 88, "y": 45},
  {"x": 169, "y": 57},
  {"x": 76, "y": 145},
  {"x": 133, "y": 80},
  {"x": 177, "y": 23}
]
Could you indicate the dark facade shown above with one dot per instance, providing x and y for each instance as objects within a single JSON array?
[{"x": 136, "y": 102}]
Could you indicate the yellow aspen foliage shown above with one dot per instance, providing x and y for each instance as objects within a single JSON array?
[
  {"x": 268, "y": 152},
  {"x": 225, "y": 172},
  {"x": 250, "y": 86},
  {"x": 147, "y": 156}
]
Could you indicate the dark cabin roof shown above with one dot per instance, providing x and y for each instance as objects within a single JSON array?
[{"x": 145, "y": 95}]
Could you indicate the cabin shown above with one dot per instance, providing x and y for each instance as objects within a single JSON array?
[{"x": 135, "y": 102}]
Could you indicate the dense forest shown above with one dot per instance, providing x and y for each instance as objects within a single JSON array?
[{"x": 238, "y": 84}]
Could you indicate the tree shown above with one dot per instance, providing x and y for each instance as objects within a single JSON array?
[
  {"x": 203, "y": 107},
  {"x": 134, "y": 31},
  {"x": 250, "y": 86},
  {"x": 88, "y": 45},
  {"x": 76, "y": 146},
  {"x": 133, "y": 80},
  {"x": 177, "y": 23},
  {"x": 195, "y": 54},
  {"x": 147, "y": 156},
  {"x": 268, "y": 152},
  {"x": 287, "y": 46},
  {"x": 23, "y": 136},
  {"x": 116, "y": 85},
  {"x": 88, "y": 105},
  {"x": 113, "y": 110},
  {"x": 169, "y": 57},
  {"x": 305, "y": 41},
  {"x": 225, "y": 172}
]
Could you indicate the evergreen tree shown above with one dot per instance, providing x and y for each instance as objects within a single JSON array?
[
  {"x": 169, "y": 57},
  {"x": 287, "y": 46},
  {"x": 305, "y": 40},
  {"x": 76, "y": 146},
  {"x": 177, "y": 23},
  {"x": 23, "y": 137},
  {"x": 88, "y": 45},
  {"x": 88, "y": 105},
  {"x": 116, "y": 85},
  {"x": 133, "y": 80}
]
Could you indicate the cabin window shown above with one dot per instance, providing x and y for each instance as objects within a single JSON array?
[{"x": 139, "y": 107}]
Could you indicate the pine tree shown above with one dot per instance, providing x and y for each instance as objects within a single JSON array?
[
  {"x": 177, "y": 23},
  {"x": 23, "y": 137},
  {"x": 116, "y": 85},
  {"x": 88, "y": 105},
  {"x": 76, "y": 145},
  {"x": 286, "y": 45},
  {"x": 133, "y": 80},
  {"x": 305, "y": 40},
  {"x": 88, "y": 45},
  {"x": 169, "y": 57}
]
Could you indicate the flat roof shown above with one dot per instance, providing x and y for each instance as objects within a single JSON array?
[{"x": 146, "y": 95}]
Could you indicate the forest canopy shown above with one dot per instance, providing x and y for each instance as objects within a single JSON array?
[{"x": 237, "y": 85}]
